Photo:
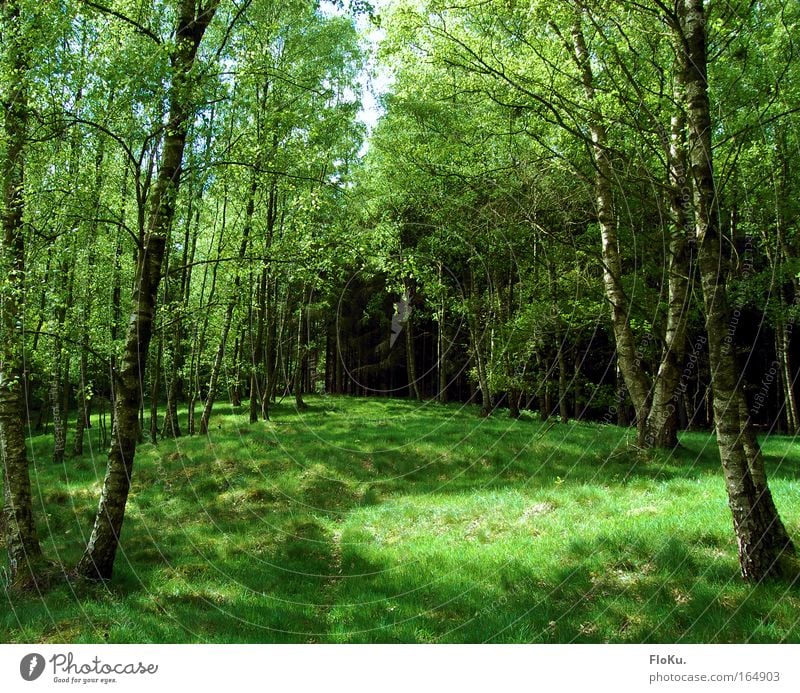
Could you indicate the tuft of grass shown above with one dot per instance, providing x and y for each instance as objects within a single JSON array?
[{"x": 382, "y": 520}]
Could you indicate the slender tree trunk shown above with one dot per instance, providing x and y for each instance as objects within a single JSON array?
[
  {"x": 560, "y": 340},
  {"x": 171, "y": 426},
  {"x": 272, "y": 355},
  {"x": 441, "y": 351},
  {"x": 155, "y": 388},
  {"x": 483, "y": 381},
  {"x": 216, "y": 367},
  {"x": 760, "y": 533},
  {"x": 476, "y": 347},
  {"x": 102, "y": 429},
  {"x": 233, "y": 301},
  {"x": 257, "y": 349},
  {"x": 116, "y": 295},
  {"x": 236, "y": 388},
  {"x": 782, "y": 338},
  {"x": 563, "y": 390},
  {"x": 200, "y": 333},
  {"x": 21, "y": 539},
  {"x": 543, "y": 399},
  {"x": 98, "y": 558},
  {"x": 411, "y": 359},
  {"x": 662, "y": 422},
  {"x": 622, "y": 399},
  {"x": 63, "y": 279},
  {"x": 269, "y": 305},
  {"x": 84, "y": 391},
  {"x": 635, "y": 378},
  {"x": 56, "y": 403},
  {"x": 83, "y": 396},
  {"x": 302, "y": 349},
  {"x": 785, "y": 326}
]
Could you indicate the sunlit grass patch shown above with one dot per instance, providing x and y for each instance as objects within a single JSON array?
[{"x": 368, "y": 520}]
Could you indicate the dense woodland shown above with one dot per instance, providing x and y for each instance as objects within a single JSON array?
[{"x": 587, "y": 210}]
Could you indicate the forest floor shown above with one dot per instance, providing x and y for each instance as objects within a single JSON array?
[{"x": 377, "y": 520}]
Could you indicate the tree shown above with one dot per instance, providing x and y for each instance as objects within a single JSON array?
[
  {"x": 21, "y": 538},
  {"x": 760, "y": 533},
  {"x": 193, "y": 18}
]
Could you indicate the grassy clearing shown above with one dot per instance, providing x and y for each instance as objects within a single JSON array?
[{"x": 390, "y": 521}]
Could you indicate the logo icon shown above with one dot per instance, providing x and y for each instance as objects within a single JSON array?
[{"x": 31, "y": 666}]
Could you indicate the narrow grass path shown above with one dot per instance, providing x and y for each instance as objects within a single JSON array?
[{"x": 369, "y": 520}]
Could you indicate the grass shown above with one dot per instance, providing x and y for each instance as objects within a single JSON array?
[{"x": 379, "y": 520}]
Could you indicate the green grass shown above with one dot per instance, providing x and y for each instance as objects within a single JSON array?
[{"x": 389, "y": 521}]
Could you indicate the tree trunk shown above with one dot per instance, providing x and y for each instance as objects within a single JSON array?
[
  {"x": 621, "y": 399},
  {"x": 21, "y": 540},
  {"x": 272, "y": 356},
  {"x": 84, "y": 392},
  {"x": 201, "y": 330},
  {"x": 98, "y": 558},
  {"x": 635, "y": 378},
  {"x": 662, "y": 422},
  {"x": 761, "y": 536},
  {"x": 60, "y": 369},
  {"x": 483, "y": 381},
  {"x": 155, "y": 388},
  {"x": 542, "y": 397},
  {"x": 256, "y": 353},
  {"x": 411, "y": 358},
  {"x": 476, "y": 347},
  {"x": 83, "y": 396},
  {"x": 233, "y": 301},
  {"x": 782, "y": 339},
  {"x": 441, "y": 352},
  {"x": 302, "y": 349},
  {"x": 563, "y": 392},
  {"x": 236, "y": 389},
  {"x": 171, "y": 426},
  {"x": 56, "y": 402}
]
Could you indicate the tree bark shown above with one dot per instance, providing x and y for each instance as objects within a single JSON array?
[
  {"x": 60, "y": 370},
  {"x": 782, "y": 339},
  {"x": 233, "y": 301},
  {"x": 761, "y": 536},
  {"x": 629, "y": 364},
  {"x": 84, "y": 391},
  {"x": 411, "y": 359},
  {"x": 155, "y": 387},
  {"x": 98, "y": 558},
  {"x": 563, "y": 403},
  {"x": 171, "y": 426},
  {"x": 301, "y": 353},
  {"x": 21, "y": 539},
  {"x": 441, "y": 351},
  {"x": 257, "y": 349},
  {"x": 476, "y": 348},
  {"x": 83, "y": 396},
  {"x": 662, "y": 422}
]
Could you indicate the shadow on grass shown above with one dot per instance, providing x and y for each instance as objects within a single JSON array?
[{"x": 267, "y": 533}]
